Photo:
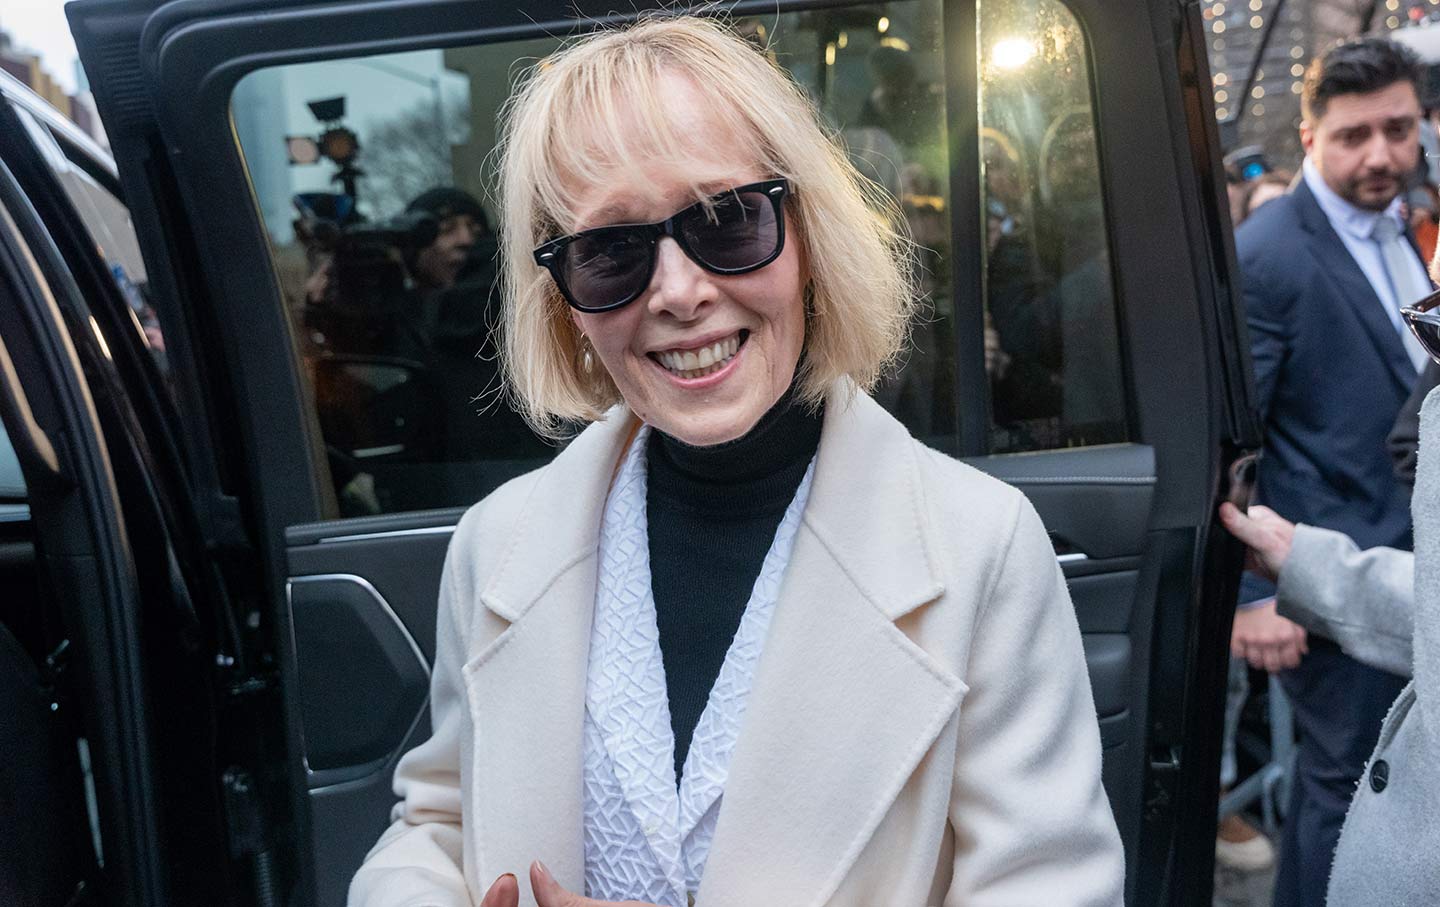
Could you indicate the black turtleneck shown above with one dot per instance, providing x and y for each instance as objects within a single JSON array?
[{"x": 712, "y": 513}]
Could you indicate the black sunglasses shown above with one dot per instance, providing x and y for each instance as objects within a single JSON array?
[
  {"x": 734, "y": 232},
  {"x": 1424, "y": 321}
]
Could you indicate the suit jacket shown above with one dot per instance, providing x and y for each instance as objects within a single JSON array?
[
  {"x": 1383, "y": 607},
  {"x": 920, "y": 730},
  {"x": 1331, "y": 374}
]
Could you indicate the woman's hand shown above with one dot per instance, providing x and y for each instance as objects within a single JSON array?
[
  {"x": 1267, "y": 535},
  {"x": 505, "y": 892}
]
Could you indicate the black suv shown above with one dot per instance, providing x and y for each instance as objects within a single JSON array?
[{"x": 243, "y": 432}]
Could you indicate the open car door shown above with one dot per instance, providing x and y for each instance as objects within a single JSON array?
[{"x": 1055, "y": 160}]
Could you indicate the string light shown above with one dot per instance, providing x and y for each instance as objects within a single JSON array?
[
  {"x": 1296, "y": 88},
  {"x": 1221, "y": 113},
  {"x": 1255, "y": 5},
  {"x": 1392, "y": 22},
  {"x": 1258, "y": 110},
  {"x": 1297, "y": 52},
  {"x": 1221, "y": 97},
  {"x": 1256, "y": 21},
  {"x": 1297, "y": 70},
  {"x": 1219, "y": 27},
  {"x": 1219, "y": 43},
  {"x": 1257, "y": 92},
  {"x": 1221, "y": 78}
]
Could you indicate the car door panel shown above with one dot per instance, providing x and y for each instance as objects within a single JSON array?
[{"x": 363, "y": 596}]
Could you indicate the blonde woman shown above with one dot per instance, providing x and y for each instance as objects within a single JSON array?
[{"x": 744, "y": 641}]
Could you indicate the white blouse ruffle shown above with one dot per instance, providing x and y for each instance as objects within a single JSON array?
[{"x": 644, "y": 840}]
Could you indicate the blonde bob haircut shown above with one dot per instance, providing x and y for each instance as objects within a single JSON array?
[{"x": 596, "y": 108}]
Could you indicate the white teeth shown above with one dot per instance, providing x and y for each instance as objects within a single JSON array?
[{"x": 698, "y": 363}]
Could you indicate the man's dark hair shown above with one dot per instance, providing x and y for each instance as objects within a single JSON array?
[{"x": 1357, "y": 66}]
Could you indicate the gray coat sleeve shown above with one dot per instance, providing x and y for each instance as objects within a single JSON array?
[
  {"x": 1364, "y": 600},
  {"x": 1425, "y": 508}
]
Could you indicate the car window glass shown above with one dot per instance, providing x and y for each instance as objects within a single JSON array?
[
  {"x": 371, "y": 178},
  {"x": 1052, "y": 344},
  {"x": 12, "y": 483},
  {"x": 107, "y": 219}
]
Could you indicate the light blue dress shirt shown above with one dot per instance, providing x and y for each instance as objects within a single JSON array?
[{"x": 1354, "y": 225}]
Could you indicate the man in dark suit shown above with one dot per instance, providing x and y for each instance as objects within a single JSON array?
[{"x": 1326, "y": 269}]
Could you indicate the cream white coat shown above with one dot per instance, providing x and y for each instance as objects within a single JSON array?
[{"x": 920, "y": 731}]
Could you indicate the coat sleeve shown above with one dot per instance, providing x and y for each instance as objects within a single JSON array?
[
  {"x": 418, "y": 860},
  {"x": 1425, "y": 508},
  {"x": 1364, "y": 600},
  {"x": 1031, "y": 820},
  {"x": 1269, "y": 318},
  {"x": 1268, "y": 312}
]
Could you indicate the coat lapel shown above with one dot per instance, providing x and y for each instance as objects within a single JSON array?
[
  {"x": 844, "y": 705},
  {"x": 1354, "y": 287},
  {"x": 527, "y": 668}
]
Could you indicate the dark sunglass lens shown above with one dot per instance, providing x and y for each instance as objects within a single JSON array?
[
  {"x": 1429, "y": 334},
  {"x": 739, "y": 231},
  {"x": 604, "y": 268}
]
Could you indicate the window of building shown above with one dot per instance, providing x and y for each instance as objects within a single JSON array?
[{"x": 394, "y": 314}]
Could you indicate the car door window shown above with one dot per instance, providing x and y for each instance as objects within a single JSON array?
[
  {"x": 1053, "y": 355},
  {"x": 12, "y": 483},
  {"x": 370, "y": 174},
  {"x": 107, "y": 219}
]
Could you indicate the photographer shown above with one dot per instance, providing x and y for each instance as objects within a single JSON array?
[{"x": 460, "y": 223}]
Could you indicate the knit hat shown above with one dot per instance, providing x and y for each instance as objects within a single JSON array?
[{"x": 447, "y": 201}]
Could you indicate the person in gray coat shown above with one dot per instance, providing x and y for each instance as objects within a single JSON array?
[{"x": 1383, "y": 607}]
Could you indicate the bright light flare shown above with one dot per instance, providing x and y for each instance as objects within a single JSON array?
[{"x": 1012, "y": 53}]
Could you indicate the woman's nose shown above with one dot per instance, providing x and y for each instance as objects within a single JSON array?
[{"x": 679, "y": 287}]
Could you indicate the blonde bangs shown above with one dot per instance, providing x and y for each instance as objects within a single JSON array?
[{"x": 596, "y": 109}]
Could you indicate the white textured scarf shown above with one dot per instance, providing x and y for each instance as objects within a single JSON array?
[{"x": 644, "y": 840}]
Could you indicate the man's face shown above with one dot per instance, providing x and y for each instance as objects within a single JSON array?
[
  {"x": 438, "y": 263},
  {"x": 1365, "y": 145}
]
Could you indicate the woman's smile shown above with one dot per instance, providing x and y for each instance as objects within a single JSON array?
[{"x": 689, "y": 363}]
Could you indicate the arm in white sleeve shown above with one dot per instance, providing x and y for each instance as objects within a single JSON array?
[{"x": 1032, "y": 823}]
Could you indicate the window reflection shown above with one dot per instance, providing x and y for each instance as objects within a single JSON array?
[
  {"x": 1052, "y": 347},
  {"x": 370, "y": 174}
]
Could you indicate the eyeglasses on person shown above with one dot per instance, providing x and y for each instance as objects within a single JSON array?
[
  {"x": 733, "y": 232},
  {"x": 1424, "y": 320}
]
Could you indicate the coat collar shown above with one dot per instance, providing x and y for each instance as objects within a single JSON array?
[{"x": 842, "y": 699}]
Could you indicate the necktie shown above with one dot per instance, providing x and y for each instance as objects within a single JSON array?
[{"x": 1405, "y": 281}]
